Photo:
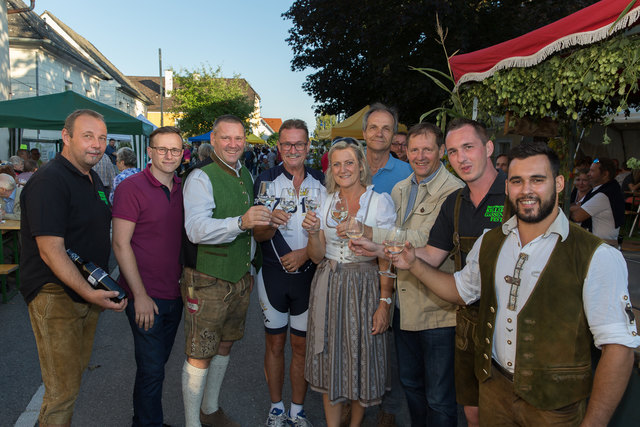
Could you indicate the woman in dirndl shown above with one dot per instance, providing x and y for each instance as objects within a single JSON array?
[{"x": 346, "y": 354}]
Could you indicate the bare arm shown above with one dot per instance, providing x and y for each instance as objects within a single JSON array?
[
  {"x": 578, "y": 214},
  {"x": 316, "y": 246},
  {"x": 381, "y": 317},
  {"x": 432, "y": 255},
  {"x": 53, "y": 253},
  {"x": 144, "y": 306},
  {"x": 609, "y": 384},
  {"x": 316, "y": 243},
  {"x": 440, "y": 283},
  {"x": 365, "y": 247}
]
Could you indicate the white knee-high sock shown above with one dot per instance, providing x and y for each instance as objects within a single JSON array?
[
  {"x": 193, "y": 383},
  {"x": 217, "y": 369}
]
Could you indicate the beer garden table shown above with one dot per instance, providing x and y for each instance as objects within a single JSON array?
[{"x": 10, "y": 231}]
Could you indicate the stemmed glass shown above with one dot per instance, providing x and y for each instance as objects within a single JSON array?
[
  {"x": 311, "y": 199},
  {"x": 288, "y": 201},
  {"x": 338, "y": 209},
  {"x": 355, "y": 227},
  {"x": 395, "y": 245},
  {"x": 266, "y": 194}
]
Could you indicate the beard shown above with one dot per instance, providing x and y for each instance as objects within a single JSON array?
[{"x": 529, "y": 214}]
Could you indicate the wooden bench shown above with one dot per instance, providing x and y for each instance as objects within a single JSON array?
[{"x": 5, "y": 270}]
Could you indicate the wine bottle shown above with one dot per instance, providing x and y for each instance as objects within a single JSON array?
[{"x": 96, "y": 276}]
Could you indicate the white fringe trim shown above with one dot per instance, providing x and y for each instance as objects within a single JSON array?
[{"x": 584, "y": 38}]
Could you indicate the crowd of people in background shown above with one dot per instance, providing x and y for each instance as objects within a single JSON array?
[{"x": 437, "y": 318}]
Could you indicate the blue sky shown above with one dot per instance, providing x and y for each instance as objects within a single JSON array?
[{"x": 245, "y": 37}]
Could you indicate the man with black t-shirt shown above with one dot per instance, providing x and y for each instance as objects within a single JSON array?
[{"x": 64, "y": 206}]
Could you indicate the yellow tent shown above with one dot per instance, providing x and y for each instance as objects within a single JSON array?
[
  {"x": 352, "y": 126},
  {"x": 324, "y": 134},
  {"x": 254, "y": 139}
]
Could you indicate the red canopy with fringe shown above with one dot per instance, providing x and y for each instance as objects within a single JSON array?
[{"x": 584, "y": 27}]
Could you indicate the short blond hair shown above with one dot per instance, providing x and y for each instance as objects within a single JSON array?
[{"x": 365, "y": 175}]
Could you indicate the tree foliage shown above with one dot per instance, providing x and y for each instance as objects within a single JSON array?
[
  {"x": 588, "y": 84},
  {"x": 360, "y": 52},
  {"x": 273, "y": 139},
  {"x": 202, "y": 95}
]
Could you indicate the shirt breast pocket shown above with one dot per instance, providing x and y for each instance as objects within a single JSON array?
[{"x": 424, "y": 209}]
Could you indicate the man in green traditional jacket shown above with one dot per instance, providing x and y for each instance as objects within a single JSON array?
[
  {"x": 547, "y": 290},
  {"x": 219, "y": 261}
]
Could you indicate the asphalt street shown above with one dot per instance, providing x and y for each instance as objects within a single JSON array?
[{"x": 105, "y": 396}]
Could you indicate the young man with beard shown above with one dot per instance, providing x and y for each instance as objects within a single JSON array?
[{"x": 547, "y": 290}]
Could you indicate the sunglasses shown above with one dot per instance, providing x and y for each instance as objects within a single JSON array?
[{"x": 348, "y": 140}]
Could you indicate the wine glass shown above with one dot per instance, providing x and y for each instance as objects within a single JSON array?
[
  {"x": 288, "y": 201},
  {"x": 338, "y": 209},
  {"x": 266, "y": 194},
  {"x": 311, "y": 199},
  {"x": 355, "y": 227},
  {"x": 395, "y": 245}
]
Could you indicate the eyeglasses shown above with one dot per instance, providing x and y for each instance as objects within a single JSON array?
[
  {"x": 299, "y": 146},
  {"x": 163, "y": 150},
  {"x": 348, "y": 140},
  {"x": 398, "y": 144}
]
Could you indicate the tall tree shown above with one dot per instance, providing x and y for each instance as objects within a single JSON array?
[
  {"x": 202, "y": 95},
  {"x": 360, "y": 52}
]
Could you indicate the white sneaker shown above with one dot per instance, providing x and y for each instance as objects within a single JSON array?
[
  {"x": 300, "y": 420},
  {"x": 277, "y": 418}
]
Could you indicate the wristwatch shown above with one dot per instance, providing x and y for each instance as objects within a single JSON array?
[
  {"x": 240, "y": 223},
  {"x": 387, "y": 300}
]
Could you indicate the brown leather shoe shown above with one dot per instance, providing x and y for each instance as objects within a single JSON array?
[
  {"x": 217, "y": 419},
  {"x": 385, "y": 420}
]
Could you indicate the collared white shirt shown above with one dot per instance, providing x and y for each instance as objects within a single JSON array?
[
  {"x": 605, "y": 293},
  {"x": 198, "y": 208}
]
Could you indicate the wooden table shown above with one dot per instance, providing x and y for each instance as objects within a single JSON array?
[
  {"x": 9, "y": 225},
  {"x": 10, "y": 228}
]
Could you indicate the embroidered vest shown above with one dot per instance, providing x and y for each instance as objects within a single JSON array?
[
  {"x": 233, "y": 196},
  {"x": 553, "y": 353}
]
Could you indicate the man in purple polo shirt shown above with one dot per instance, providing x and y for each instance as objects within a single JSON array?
[{"x": 147, "y": 231}]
